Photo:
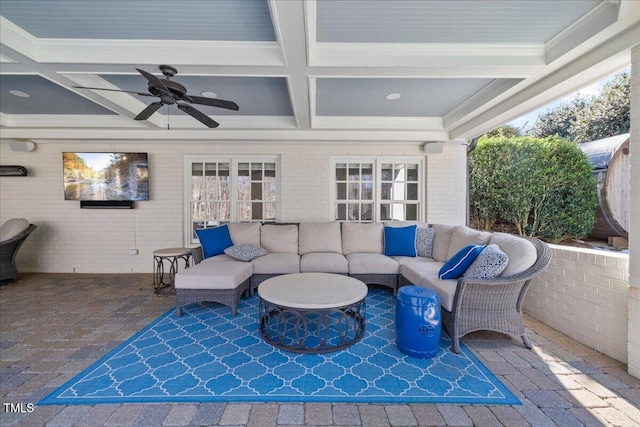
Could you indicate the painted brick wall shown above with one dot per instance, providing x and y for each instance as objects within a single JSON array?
[
  {"x": 69, "y": 238},
  {"x": 634, "y": 228},
  {"x": 583, "y": 294}
]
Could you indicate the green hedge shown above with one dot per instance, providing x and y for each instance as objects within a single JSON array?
[{"x": 545, "y": 187}]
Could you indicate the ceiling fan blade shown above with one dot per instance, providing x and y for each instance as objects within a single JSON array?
[
  {"x": 147, "y": 112},
  {"x": 154, "y": 81},
  {"x": 112, "y": 90},
  {"x": 198, "y": 115},
  {"x": 214, "y": 102}
]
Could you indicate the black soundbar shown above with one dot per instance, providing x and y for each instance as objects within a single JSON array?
[{"x": 106, "y": 204}]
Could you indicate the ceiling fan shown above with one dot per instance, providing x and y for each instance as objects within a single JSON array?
[{"x": 171, "y": 92}]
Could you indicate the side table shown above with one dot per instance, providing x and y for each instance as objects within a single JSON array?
[{"x": 172, "y": 255}]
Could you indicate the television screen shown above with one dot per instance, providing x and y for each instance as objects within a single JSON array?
[{"x": 105, "y": 176}]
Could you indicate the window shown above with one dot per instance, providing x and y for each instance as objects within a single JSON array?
[
  {"x": 222, "y": 190},
  {"x": 381, "y": 189}
]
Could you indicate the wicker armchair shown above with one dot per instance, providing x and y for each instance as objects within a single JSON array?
[
  {"x": 492, "y": 304},
  {"x": 8, "y": 251}
]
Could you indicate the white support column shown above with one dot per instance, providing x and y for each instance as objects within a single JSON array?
[{"x": 633, "y": 346}]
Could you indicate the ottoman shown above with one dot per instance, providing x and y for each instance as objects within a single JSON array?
[
  {"x": 222, "y": 282},
  {"x": 418, "y": 321}
]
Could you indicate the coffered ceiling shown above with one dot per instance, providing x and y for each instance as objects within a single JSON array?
[{"x": 396, "y": 70}]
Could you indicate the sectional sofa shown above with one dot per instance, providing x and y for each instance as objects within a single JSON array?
[{"x": 480, "y": 277}]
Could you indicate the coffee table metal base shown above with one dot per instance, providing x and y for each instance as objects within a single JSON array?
[{"x": 312, "y": 330}]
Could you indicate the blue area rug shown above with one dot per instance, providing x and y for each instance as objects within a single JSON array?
[{"x": 207, "y": 355}]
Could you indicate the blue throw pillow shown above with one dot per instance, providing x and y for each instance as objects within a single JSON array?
[
  {"x": 214, "y": 240},
  {"x": 458, "y": 264},
  {"x": 400, "y": 241}
]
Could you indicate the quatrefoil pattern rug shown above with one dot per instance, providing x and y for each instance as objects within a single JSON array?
[{"x": 207, "y": 355}]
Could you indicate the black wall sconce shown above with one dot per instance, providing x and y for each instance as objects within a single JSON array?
[{"x": 13, "y": 171}]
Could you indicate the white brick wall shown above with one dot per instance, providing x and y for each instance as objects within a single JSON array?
[
  {"x": 98, "y": 240},
  {"x": 583, "y": 294},
  {"x": 634, "y": 228}
]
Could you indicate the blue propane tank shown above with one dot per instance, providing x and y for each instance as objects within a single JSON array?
[{"x": 418, "y": 321}]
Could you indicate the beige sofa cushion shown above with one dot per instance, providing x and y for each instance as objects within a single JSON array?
[
  {"x": 13, "y": 227},
  {"x": 319, "y": 237},
  {"x": 463, "y": 236},
  {"x": 362, "y": 238},
  {"x": 441, "y": 241},
  {"x": 245, "y": 233},
  {"x": 324, "y": 262},
  {"x": 367, "y": 263},
  {"x": 213, "y": 275},
  {"x": 276, "y": 263},
  {"x": 279, "y": 238},
  {"x": 521, "y": 252}
]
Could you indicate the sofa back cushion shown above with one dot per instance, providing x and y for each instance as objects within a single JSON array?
[
  {"x": 279, "y": 238},
  {"x": 521, "y": 252},
  {"x": 362, "y": 238},
  {"x": 441, "y": 242},
  {"x": 319, "y": 237},
  {"x": 245, "y": 233},
  {"x": 464, "y": 236}
]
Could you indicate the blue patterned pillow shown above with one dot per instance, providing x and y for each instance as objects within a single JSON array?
[
  {"x": 457, "y": 265},
  {"x": 424, "y": 241},
  {"x": 490, "y": 263},
  {"x": 246, "y": 252},
  {"x": 214, "y": 240}
]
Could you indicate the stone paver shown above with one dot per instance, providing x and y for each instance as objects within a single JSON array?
[{"x": 81, "y": 317}]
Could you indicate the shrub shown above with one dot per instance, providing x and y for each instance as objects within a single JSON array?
[{"x": 545, "y": 187}]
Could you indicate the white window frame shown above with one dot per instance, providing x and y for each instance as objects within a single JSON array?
[
  {"x": 377, "y": 162},
  {"x": 234, "y": 161}
]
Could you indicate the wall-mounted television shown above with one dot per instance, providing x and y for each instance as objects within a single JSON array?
[{"x": 105, "y": 176}]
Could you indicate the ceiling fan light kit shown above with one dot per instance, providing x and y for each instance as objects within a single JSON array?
[{"x": 171, "y": 92}]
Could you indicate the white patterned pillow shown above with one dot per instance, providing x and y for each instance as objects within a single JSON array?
[
  {"x": 245, "y": 252},
  {"x": 424, "y": 241},
  {"x": 490, "y": 263}
]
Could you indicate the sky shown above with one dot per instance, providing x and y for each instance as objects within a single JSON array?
[{"x": 526, "y": 121}]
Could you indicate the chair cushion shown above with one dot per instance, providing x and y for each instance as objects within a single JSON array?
[
  {"x": 214, "y": 240},
  {"x": 368, "y": 263},
  {"x": 441, "y": 241},
  {"x": 213, "y": 275},
  {"x": 489, "y": 264},
  {"x": 245, "y": 252},
  {"x": 459, "y": 262},
  {"x": 324, "y": 262},
  {"x": 521, "y": 252},
  {"x": 279, "y": 238},
  {"x": 400, "y": 241},
  {"x": 425, "y": 274},
  {"x": 319, "y": 237},
  {"x": 245, "y": 232},
  {"x": 463, "y": 236},
  {"x": 276, "y": 263},
  {"x": 424, "y": 241},
  {"x": 13, "y": 227},
  {"x": 362, "y": 238}
]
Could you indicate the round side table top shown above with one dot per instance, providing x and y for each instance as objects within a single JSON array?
[
  {"x": 168, "y": 252},
  {"x": 312, "y": 290}
]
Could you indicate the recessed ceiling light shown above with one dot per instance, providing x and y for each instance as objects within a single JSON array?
[
  {"x": 393, "y": 96},
  {"x": 209, "y": 94},
  {"x": 19, "y": 93}
]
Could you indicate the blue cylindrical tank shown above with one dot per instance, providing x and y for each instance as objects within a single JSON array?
[{"x": 418, "y": 321}]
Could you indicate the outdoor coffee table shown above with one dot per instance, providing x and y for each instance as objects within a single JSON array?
[{"x": 312, "y": 312}]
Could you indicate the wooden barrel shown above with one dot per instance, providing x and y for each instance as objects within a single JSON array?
[{"x": 611, "y": 168}]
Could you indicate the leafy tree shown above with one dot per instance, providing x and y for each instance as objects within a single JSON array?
[
  {"x": 508, "y": 131},
  {"x": 608, "y": 114},
  {"x": 587, "y": 119},
  {"x": 545, "y": 187}
]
